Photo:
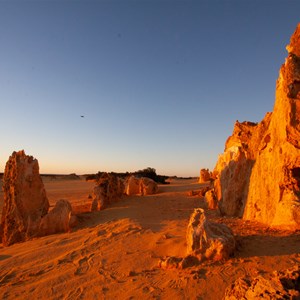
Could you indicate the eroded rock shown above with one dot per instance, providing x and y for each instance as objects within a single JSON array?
[
  {"x": 109, "y": 189},
  {"x": 278, "y": 285},
  {"x": 58, "y": 219},
  {"x": 208, "y": 240},
  {"x": 211, "y": 199},
  {"x": 204, "y": 176},
  {"x": 25, "y": 201},
  {"x": 258, "y": 175},
  {"x": 140, "y": 186},
  {"x": 148, "y": 186},
  {"x": 173, "y": 262}
]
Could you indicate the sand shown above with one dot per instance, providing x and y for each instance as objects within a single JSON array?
[{"x": 114, "y": 253}]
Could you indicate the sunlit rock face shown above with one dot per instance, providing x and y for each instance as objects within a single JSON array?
[
  {"x": 211, "y": 200},
  {"x": 208, "y": 240},
  {"x": 57, "y": 220},
  {"x": 234, "y": 166},
  {"x": 258, "y": 176},
  {"x": 25, "y": 201},
  {"x": 204, "y": 176},
  {"x": 140, "y": 186}
]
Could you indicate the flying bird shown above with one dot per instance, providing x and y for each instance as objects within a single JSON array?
[{"x": 82, "y": 116}]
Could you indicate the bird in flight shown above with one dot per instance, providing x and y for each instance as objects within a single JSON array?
[{"x": 82, "y": 116}]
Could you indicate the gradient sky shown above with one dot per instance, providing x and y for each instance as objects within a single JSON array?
[{"x": 160, "y": 83}]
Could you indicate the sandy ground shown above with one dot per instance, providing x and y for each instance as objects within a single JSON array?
[{"x": 113, "y": 254}]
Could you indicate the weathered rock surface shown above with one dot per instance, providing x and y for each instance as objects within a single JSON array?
[
  {"x": 234, "y": 166},
  {"x": 57, "y": 220},
  {"x": 25, "y": 201},
  {"x": 109, "y": 189},
  {"x": 132, "y": 186},
  {"x": 208, "y": 240},
  {"x": 278, "y": 285},
  {"x": 140, "y": 186},
  {"x": 148, "y": 186},
  {"x": 258, "y": 175},
  {"x": 211, "y": 199},
  {"x": 204, "y": 175}
]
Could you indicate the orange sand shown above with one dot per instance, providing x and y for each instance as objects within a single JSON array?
[{"x": 113, "y": 254}]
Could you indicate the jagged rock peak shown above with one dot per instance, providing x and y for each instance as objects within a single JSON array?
[{"x": 294, "y": 46}]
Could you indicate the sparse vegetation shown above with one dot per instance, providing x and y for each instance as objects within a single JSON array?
[{"x": 148, "y": 172}]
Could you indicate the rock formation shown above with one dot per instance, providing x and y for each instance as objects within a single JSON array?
[
  {"x": 132, "y": 186},
  {"x": 278, "y": 285},
  {"x": 140, "y": 186},
  {"x": 211, "y": 199},
  {"x": 109, "y": 189},
  {"x": 208, "y": 240},
  {"x": 57, "y": 220},
  {"x": 258, "y": 175},
  {"x": 25, "y": 201},
  {"x": 204, "y": 176},
  {"x": 148, "y": 186}
]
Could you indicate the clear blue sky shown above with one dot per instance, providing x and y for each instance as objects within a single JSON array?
[{"x": 160, "y": 83}]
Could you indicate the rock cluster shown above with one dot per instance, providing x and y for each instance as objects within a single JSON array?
[
  {"x": 25, "y": 211},
  {"x": 109, "y": 188},
  {"x": 140, "y": 186},
  {"x": 258, "y": 175},
  {"x": 278, "y": 285},
  {"x": 204, "y": 176},
  {"x": 208, "y": 240}
]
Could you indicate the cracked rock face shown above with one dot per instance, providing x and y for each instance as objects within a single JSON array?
[
  {"x": 25, "y": 201},
  {"x": 258, "y": 176}
]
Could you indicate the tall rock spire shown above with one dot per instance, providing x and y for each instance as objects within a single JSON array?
[{"x": 264, "y": 183}]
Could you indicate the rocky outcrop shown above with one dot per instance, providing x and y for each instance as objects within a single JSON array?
[
  {"x": 25, "y": 201},
  {"x": 208, "y": 240},
  {"x": 234, "y": 166},
  {"x": 258, "y": 175},
  {"x": 140, "y": 186},
  {"x": 211, "y": 199},
  {"x": 109, "y": 189},
  {"x": 148, "y": 186},
  {"x": 132, "y": 186},
  {"x": 278, "y": 285},
  {"x": 204, "y": 176},
  {"x": 57, "y": 220}
]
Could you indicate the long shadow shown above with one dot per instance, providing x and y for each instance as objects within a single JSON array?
[
  {"x": 151, "y": 212},
  {"x": 267, "y": 245},
  {"x": 3, "y": 257}
]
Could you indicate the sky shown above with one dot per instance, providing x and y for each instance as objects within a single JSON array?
[{"x": 160, "y": 83}]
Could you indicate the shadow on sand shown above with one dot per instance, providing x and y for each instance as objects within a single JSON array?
[{"x": 267, "y": 245}]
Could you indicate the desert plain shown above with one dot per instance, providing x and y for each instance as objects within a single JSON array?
[{"x": 114, "y": 253}]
